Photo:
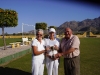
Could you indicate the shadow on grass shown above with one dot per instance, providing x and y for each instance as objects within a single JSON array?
[
  {"x": 12, "y": 71},
  {"x": 18, "y": 41}
]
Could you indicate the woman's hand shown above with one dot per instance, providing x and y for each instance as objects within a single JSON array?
[
  {"x": 47, "y": 48},
  {"x": 55, "y": 47}
]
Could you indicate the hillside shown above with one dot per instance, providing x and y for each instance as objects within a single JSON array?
[{"x": 81, "y": 26}]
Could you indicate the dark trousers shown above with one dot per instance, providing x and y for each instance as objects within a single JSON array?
[{"x": 72, "y": 66}]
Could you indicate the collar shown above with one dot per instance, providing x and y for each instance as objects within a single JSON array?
[
  {"x": 50, "y": 39},
  {"x": 38, "y": 41},
  {"x": 71, "y": 36}
]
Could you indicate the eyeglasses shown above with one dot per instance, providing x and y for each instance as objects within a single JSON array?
[{"x": 39, "y": 34}]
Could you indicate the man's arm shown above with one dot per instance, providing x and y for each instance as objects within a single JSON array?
[
  {"x": 64, "y": 53},
  {"x": 74, "y": 46}
]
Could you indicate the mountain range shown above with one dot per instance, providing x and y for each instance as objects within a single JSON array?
[{"x": 92, "y": 25}]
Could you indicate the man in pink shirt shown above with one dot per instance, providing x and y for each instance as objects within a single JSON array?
[{"x": 69, "y": 48}]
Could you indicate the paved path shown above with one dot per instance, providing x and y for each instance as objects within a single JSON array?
[{"x": 11, "y": 51}]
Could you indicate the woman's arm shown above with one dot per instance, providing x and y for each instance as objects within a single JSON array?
[{"x": 36, "y": 52}]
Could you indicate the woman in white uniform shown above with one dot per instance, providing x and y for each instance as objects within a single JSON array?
[
  {"x": 38, "y": 53},
  {"x": 52, "y": 45}
]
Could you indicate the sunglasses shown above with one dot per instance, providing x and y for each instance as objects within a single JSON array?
[{"x": 39, "y": 34}]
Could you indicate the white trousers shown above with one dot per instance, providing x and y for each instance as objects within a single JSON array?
[
  {"x": 52, "y": 66},
  {"x": 37, "y": 67}
]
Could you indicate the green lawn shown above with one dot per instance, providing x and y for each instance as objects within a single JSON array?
[
  {"x": 89, "y": 60},
  {"x": 9, "y": 40},
  {"x": 90, "y": 56}
]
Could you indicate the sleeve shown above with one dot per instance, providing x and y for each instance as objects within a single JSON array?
[
  {"x": 75, "y": 42},
  {"x": 58, "y": 39},
  {"x": 45, "y": 42},
  {"x": 57, "y": 43},
  {"x": 34, "y": 43},
  {"x": 60, "y": 50}
]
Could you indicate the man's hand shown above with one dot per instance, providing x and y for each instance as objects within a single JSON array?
[
  {"x": 58, "y": 55},
  {"x": 51, "y": 57}
]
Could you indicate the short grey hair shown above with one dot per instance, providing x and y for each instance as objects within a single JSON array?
[{"x": 39, "y": 30}]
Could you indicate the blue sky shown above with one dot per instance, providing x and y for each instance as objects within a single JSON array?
[{"x": 54, "y": 13}]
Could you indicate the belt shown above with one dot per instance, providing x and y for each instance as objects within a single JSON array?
[{"x": 71, "y": 58}]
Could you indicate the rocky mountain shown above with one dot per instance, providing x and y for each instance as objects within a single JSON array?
[{"x": 79, "y": 26}]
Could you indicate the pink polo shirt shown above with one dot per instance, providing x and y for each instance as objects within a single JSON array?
[{"x": 73, "y": 42}]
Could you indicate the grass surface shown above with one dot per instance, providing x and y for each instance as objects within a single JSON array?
[
  {"x": 90, "y": 56},
  {"x": 89, "y": 61},
  {"x": 9, "y": 40}
]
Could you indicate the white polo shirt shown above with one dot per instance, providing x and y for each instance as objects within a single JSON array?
[
  {"x": 50, "y": 43},
  {"x": 40, "y": 47}
]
